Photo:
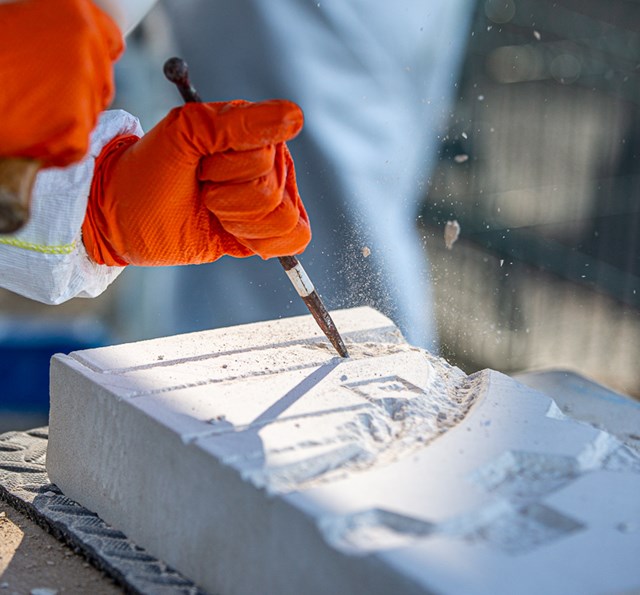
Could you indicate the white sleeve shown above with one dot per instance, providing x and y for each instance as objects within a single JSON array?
[
  {"x": 46, "y": 260},
  {"x": 127, "y": 13}
]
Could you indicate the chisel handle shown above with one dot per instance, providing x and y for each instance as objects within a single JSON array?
[
  {"x": 177, "y": 71},
  {"x": 17, "y": 176}
]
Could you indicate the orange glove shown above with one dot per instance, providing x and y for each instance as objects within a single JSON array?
[
  {"x": 56, "y": 67},
  {"x": 210, "y": 179}
]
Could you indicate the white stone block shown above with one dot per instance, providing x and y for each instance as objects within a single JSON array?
[
  {"x": 586, "y": 400},
  {"x": 254, "y": 460}
]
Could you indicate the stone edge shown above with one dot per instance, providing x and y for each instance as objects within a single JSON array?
[{"x": 25, "y": 485}]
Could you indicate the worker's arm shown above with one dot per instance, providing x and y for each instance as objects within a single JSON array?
[
  {"x": 208, "y": 180},
  {"x": 46, "y": 261}
]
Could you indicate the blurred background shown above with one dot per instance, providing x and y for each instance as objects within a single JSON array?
[
  {"x": 539, "y": 165},
  {"x": 541, "y": 168}
]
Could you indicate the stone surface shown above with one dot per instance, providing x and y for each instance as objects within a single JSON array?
[
  {"x": 253, "y": 459},
  {"x": 586, "y": 400}
]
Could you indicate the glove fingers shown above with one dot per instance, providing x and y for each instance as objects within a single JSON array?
[
  {"x": 250, "y": 200},
  {"x": 253, "y": 220},
  {"x": 237, "y": 166},
  {"x": 237, "y": 125},
  {"x": 265, "y": 214},
  {"x": 294, "y": 242},
  {"x": 253, "y": 125}
]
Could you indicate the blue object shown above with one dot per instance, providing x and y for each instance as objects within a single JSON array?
[{"x": 26, "y": 347}]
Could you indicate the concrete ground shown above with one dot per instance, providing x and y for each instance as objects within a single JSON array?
[{"x": 34, "y": 562}]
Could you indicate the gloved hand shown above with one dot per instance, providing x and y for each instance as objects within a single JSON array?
[
  {"x": 209, "y": 179},
  {"x": 56, "y": 68}
]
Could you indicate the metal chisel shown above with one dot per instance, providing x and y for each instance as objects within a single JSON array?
[{"x": 176, "y": 70}]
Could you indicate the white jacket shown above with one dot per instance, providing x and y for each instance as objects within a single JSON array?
[{"x": 46, "y": 260}]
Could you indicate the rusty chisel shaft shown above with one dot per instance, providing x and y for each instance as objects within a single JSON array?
[
  {"x": 176, "y": 70},
  {"x": 310, "y": 297}
]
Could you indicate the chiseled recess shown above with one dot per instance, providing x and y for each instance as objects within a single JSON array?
[
  {"x": 506, "y": 527},
  {"x": 390, "y": 417}
]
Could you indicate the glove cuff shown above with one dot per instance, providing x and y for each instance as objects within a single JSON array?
[{"x": 98, "y": 229}]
